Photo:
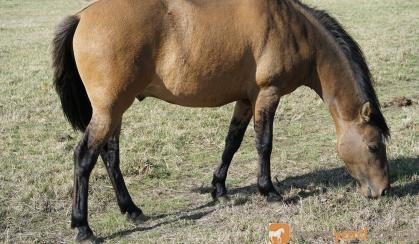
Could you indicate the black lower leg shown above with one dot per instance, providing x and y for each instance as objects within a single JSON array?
[
  {"x": 238, "y": 125},
  {"x": 84, "y": 161},
  {"x": 264, "y": 130},
  {"x": 110, "y": 156},
  {"x": 264, "y": 148}
]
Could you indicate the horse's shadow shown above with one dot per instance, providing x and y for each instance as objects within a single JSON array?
[
  {"x": 405, "y": 169},
  {"x": 203, "y": 210},
  {"x": 319, "y": 181},
  {"x": 401, "y": 169}
]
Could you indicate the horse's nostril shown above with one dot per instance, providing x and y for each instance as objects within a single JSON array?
[{"x": 369, "y": 192}]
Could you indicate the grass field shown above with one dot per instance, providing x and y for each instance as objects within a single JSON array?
[{"x": 169, "y": 152}]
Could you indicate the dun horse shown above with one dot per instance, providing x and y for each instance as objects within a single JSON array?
[{"x": 201, "y": 53}]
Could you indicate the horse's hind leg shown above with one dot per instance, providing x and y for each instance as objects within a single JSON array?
[
  {"x": 239, "y": 122},
  {"x": 110, "y": 156},
  {"x": 85, "y": 156},
  {"x": 264, "y": 112}
]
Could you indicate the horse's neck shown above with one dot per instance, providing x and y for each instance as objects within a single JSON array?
[
  {"x": 336, "y": 82},
  {"x": 333, "y": 77}
]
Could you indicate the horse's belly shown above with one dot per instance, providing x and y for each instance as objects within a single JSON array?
[{"x": 197, "y": 93}]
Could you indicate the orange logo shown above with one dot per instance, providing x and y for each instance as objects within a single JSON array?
[
  {"x": 279, "y": 233},
  {"x": 360, "y": 235}
]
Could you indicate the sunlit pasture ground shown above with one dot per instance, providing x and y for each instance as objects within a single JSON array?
[{"x": 169, "y": 152}]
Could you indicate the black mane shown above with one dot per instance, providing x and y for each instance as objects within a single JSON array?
[{"x": 354, "y": 53}]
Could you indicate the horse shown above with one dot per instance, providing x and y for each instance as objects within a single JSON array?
[
  {"x": 276, "y": 236},
  {"x": 199, "y": 53}
]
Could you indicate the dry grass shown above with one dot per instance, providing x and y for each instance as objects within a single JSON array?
[{"x": 169, "y": 152}]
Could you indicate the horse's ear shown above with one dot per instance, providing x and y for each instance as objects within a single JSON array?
[{"x": 366, "y": 112}]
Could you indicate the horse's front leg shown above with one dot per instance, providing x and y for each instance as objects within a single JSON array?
[
  {"x": 239, "y": 122},
  {"x": 110, "y": 157},
  {"x": 264, "y": 112}
]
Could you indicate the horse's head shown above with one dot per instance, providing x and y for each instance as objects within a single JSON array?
[{"x": 361, "y": 145}]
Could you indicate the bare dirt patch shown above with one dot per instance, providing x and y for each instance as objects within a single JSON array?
[{"x": 399, "y": 102}]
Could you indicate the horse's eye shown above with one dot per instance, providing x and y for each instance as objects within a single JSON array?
[{"x": 373, "y": 148}]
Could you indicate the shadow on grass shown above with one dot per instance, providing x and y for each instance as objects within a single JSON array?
[
  {"x": 183, "y": 216},
  {"x": 405, "y": 170},
  {"x": 317, "y": 182},
  {"x": 401, "y": 169}
]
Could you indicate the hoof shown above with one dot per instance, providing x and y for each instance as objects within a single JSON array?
[
  {"x": 217, "y": 195},
  {"x": 85, "y": 235},
  {"x": 137, "y": 217},
  {"x": 219, "y": 192},
  {"x": 274, "y": 196}
]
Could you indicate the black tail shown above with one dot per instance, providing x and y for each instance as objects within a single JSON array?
[{"x": 67, "y": 81}]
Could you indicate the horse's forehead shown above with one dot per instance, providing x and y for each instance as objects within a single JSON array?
[{"x": 374, "y": 133}]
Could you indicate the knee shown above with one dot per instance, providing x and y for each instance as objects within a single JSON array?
[{"x": 235, "y": 138}]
